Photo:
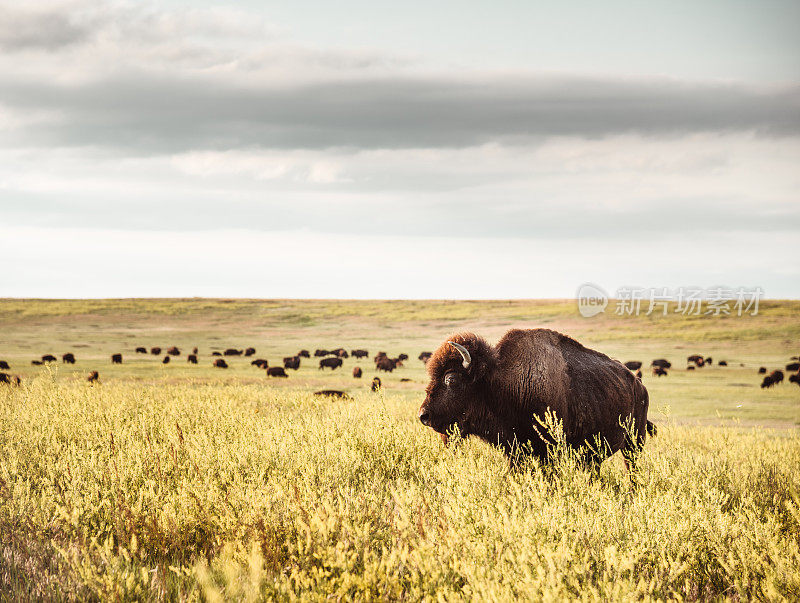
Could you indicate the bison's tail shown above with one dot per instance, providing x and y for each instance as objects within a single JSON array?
[{"x": 652, "y": 430}]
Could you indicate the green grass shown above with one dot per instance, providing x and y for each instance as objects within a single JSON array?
[{"x": 183, "y": 482}]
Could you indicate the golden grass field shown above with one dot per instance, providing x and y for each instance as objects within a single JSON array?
[{"x": 181, "y": 482}]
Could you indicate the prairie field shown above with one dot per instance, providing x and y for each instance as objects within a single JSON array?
[{"x": 187, "y": 482}]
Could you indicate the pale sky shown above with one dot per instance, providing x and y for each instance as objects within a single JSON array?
[{"x": 397, "y": 150}]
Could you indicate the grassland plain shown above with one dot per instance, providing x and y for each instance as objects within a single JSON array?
[{"x": 180, "y": 482}]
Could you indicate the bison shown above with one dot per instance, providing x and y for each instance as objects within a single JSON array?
[
  {"x": 425, "y": 356},
  {"x": 304, "y": 354},
  {"x": 249, "y": 351},
  {"x": 697, "y": 359},
  {"x": 174, "y": 351},
  {"x": 386, "y": 364},
  {"x": 690, "y": 368},
  {"x": 357, "y": 372},
  {"x": 376, "y": 384},
  {"x": 216, "y": 353},
  {"x": 709, "y": 361},
  {"x": 660, "y": 371},
  {"x": 663, "y": 363},
  {"x": 762, "y": 370},
  {"x": 191, "y": 358},
  {"x": 793, "y": 366},
  {"x": 194, "y": 351},
  {"x": 10, "y": 379},
  {"x": 773, "y": 378},
  {"x": 220, "y": 363},
  {"x": 795, "y": 378},
  {"x": 116, "y": 358},
  {"x": 291, "y": 362},
  {"x": 155, "y": 351},
  {"x": 37, "y": 362},
  {"x": 276, "y": 371},
  {"x": 141, "y": 350},
  {"x": 319, "y": 353},
  {"x": 4, "y": 365},
  {"x": 332, "y": 363},
  {"x": 722, "y": 363},
  {"x": 500, "y": 393},
  {"x": 166, "y": 359},
  {"x": 93, "y": 377},
  {"x": 359, "y": 354},
  {"x": 232, "y": 352},
  {"x": 633, "y": 365},
  {"x": 48, "y": 358},
  {"x": 333, "y": 393},
  {"x": 402, "y": 357},
  {"x": 260, "y": 363}
]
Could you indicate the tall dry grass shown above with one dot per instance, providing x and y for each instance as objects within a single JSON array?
[{"x": 129, "y": 491}]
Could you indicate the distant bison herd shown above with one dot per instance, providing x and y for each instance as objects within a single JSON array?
[{"x": 329, "y": 359}]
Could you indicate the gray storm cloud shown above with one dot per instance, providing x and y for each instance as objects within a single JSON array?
[{"x": 147, "y": 113}]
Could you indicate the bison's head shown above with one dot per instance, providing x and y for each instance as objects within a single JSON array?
[{"x": 456, "y": 395}]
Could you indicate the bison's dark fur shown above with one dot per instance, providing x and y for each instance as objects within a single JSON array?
[
  {"x": 116, "y": 358},
  {"x": 276, "y": 371},
  {"x": 93, "y": 377},
  {"x": 690, "y": 368},
  {"x": 357, "y": 372},
  {"x": 722, "y": 363},
  {"x": 386, "y": 364},
  {"x": 376, "y": 384},
  {"x": 249, "y": 351},
  {"x": 660, "y": 371},
  {"x": 359, "y": 353},
  {"x": 191, "y": 358},
  {"x": 216, "y": 353},
  {"x": 762, "y": 370},
  {"x": 773, "y": 378},
  {"x": 260, "y": 363},
  {"x": 633, "y": 365},
  {"x": 697, "y": 359},
  {"x": 291, "y": 362},
  {"x": 155, "y": 351},
  {"x": 220, "y": 363},
  {"x": 37, "y": 362},
  {"x": 232, "y": 352},
  {"x": 663, "y": 363},
  {"x": 4, "y": 365},
  {"x": 331, "y": 363},
  {"x": 166, "y": 360},
  {"x": 304, "y": 354},
  {"x": 425, "y": 356},
  {"x": 793, "y": 366},
  {"x": 320, "y": 353},
  {"x": 10, "y": 379},
  {"x": 141, "y": 350},
  {"x": 504, "y": 389},
  {"x": 48, "y": 358},
  {"x": 795, "y": 378},
  {"x": 174, "y": 351},
  {"x": 194, "y": 351}
]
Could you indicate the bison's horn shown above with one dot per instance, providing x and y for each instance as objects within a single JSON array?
[{"x": 464, "y": 353}]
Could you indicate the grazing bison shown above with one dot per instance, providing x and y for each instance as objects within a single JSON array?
[
  {"x": 425, "y": 356},
  {"x": 10, "y": 379},
  {"x": 795, "y": 378},
  {"x": 116, "y": 358},
  {"x": 332, "y": 363},
  {"x": 793, "y": 366},
  {"x": 709, "y": 361},
  {"x": 191, "y": 358},
  {"x": 220, "y": 363},
  {"x": 49, "y": 358},
  {"x": 777, "y": 376},
  {"x": 155, "y": 351},
  {"x": 773, "y": 378},
  {"x": 276, "y": 371},
  {"x": 341, "y": 353},
  {"x": 232, "y": 352},
  {"x": 386, "y": 364},
  {"x": 357, "y": 372},
  {"x": 37, "y": 362},
  {"x": 697, "y": 359},
  {"x": 166, "y": 360},
  {"x": 376, "y": 384},
  {"x": 359, "y": 354},
  {"x": 260, "y": 363},
  {"x": 216, "y": 353},
  {"x": 304, "y": 354},
  {"x": 498, "y": 393},
  {"x": 194, "y": 351},
  {"x": 291, "y": 362},
  {"x": 762, "y": 370},
  {"x": 94, "y": 377},
  {"x": 402, "y": 357},
  {"x": 174, "y": 351},
  {"x": 722, "y": 363},
  {"x": 663, "y": 363},
  {"x": 660, "y": 371},
  {"x": 249, "y": 351},
  {"x": 4, "y": 365},
  {"x": 690, "y": 368},
  {"x": 320, "y": 353},
  {"x": 633, "y": 365},
  {"x": 141, "y": 350},
  {"x": 333, "y": 393},
  {"x": 68, "y": 358}
]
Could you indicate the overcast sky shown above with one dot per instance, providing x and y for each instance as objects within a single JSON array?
[{"x": 397, "y": 149}]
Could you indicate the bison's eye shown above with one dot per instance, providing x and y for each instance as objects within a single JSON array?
[{"x": 451, "y": 379}]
